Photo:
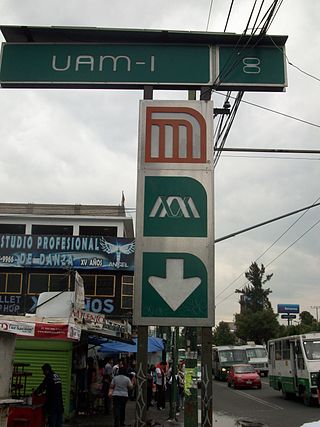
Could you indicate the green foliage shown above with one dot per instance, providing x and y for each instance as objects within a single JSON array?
[
  {"x": 306, "y": 318},
  {"x": 222, "y": 335},
  {"x": 257, "y": 326},
  {"x": 257, "y": 322},
  {"x": 255, "y": 298}
]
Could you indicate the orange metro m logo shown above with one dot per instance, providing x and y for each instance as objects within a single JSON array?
[{"x": 175, "y": 135}]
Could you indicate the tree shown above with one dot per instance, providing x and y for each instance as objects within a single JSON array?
[
  {"x": 257, "y": 326},
  {"x": 306, "y": 318},
  {"x": 256, "y": 298},
  {"x": 256, "y": 322},
  {"x": 222, "y": 335}
]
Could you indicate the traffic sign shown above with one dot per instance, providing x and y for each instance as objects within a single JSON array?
[
  {"x": 174, "y": 285},
  {"x": 259, "y": 66},
  {"x": 62, "y": 64},
  {"x": 288, "y": 316},
  {"x": 174, "y": 233},
  {"x": 219, "y": 61}
]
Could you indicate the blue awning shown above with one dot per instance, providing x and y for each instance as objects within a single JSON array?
[{"x": 154, "y": 344}]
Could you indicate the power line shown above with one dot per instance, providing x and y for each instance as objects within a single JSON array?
[
  {"x": 268, "y": 157},
  {"x": 228, "y": 17},
  {"x": 278, "y": 256},
  {"x": 291, "y": 63},
  {"x": 274, "y": 111},
  {"x": 210, "y": 10},
  {"x": 269, "y": 247}
]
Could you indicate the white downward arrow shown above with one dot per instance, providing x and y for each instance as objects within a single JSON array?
[{"x": 174, "y": 289}]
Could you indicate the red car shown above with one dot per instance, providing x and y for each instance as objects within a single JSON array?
[{"x": 243, "y": 376}]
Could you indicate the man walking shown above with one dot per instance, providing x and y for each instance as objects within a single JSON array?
[{"x": 52, "y": 387}]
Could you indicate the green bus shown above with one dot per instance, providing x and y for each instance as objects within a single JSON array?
[
  {"x": 225, "y": 356},
  {"x": 294, "y": 363}
]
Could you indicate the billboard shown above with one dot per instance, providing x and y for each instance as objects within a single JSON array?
[
  {"x": 80, "y": 252},
  {"x": 288, "y": 308}
]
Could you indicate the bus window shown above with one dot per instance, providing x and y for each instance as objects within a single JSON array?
[
  {"x": 312, "y": 349},
  {"x": 300, "y": 359}
]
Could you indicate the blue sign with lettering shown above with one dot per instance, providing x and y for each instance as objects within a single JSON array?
[
  {"x": 288, "y": 308},
  {"x": 98, "y": 252}
]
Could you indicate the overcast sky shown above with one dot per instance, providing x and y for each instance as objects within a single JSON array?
[{"x": 80, "y": 146}]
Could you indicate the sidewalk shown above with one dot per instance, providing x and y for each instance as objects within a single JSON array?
[{"x": 154, "y": 418}]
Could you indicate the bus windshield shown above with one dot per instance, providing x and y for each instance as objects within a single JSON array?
[
  {"x": 256, "y": 353},
  {"x": 232, "y": 356},
  {"x": 312, "y": 349}
]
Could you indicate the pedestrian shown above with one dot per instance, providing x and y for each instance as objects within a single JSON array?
[
  {"x": 161, "y": 385},
  {"x": 181, "y": 382},
  {"x": 149, "y": 386},
  {"x": 119, "y": 387},
  {"x": 105, "y": 393},
  {"x": 108, "y": 369},
  {"x": 318, "y": 386},
  {"x": 52, "y": 387}
]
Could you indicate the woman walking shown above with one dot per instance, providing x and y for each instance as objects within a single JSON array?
[{"x": 119, "y": 387}]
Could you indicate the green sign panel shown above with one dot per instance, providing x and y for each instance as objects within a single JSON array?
[
  {"x": 252, "y": 66},
  {"x": 175, "y": 207},
  {"x": 63, "y": 64},
  {"x": 174, "y": 285}
]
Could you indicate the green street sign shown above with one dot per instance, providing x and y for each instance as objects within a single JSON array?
[
  {"x": 175, "y": 207},
  {"x": 260, "y": 66},
  {"x": 174, "y": 285},
  {"x": 100, "y": 65}
]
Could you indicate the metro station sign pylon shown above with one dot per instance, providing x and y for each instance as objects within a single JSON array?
[{"x": 174, "y": 239}]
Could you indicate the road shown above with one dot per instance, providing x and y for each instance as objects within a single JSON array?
[{"x": 265, "y": 407}]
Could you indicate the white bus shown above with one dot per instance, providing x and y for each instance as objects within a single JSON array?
[
  {"x": 293, "y": 365},
  {"x": 223, "y": 357},
  {"x": 257, "y": 357}
]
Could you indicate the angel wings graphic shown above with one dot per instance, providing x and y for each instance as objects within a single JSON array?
[{"x": 118, "y": 249}]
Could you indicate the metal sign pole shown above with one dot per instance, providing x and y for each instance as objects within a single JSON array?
[{"x": 142, "y": 350}]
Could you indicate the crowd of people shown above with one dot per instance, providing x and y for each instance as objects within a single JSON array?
[
  {"x": 160, "y": 383},
  {"x": 110, "y": 383},
  {"x": 113, "y": 382}
]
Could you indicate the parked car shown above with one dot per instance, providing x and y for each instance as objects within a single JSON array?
[{"x": 243, "y": 376}]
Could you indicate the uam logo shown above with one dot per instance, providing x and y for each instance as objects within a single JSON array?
[
  {"x": 174, "y": 207},
  {"x": 175, "y": 135}
]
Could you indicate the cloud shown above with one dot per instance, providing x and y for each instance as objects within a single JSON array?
[{"x": 80, "y": 146}]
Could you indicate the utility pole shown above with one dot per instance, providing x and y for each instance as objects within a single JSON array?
[{"x": 316, "y": 307}]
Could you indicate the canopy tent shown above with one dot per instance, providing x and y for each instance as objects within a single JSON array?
[{"x": 154, "y": 344}]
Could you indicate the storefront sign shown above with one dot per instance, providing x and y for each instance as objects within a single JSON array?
[
  {"x": 105, "y": 253},
  {"x": 19, "y": 328}
]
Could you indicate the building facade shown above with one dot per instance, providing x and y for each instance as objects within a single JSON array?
[{"x": 42, "y": 245}]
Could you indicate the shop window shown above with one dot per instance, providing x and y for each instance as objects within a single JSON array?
[
  {"x": 14, "y": 282},
  {"x": 127, "y": 292},
  {"x": 38, "y": 282},
  {"x": 105, "y": 286},
  {"x": 58, "y": 282},
  {"x": 2, "y": 282},
  {"x": 52, "y": 230},
  {"x": 10, "y": 283},
  {"x": 97, "y": 231},
  {"x": 12, "y": 228},
  {"x": 89, "y": 285},
  {"x": 44, "y": 282},
  {"x": 99, "y": 285}
]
